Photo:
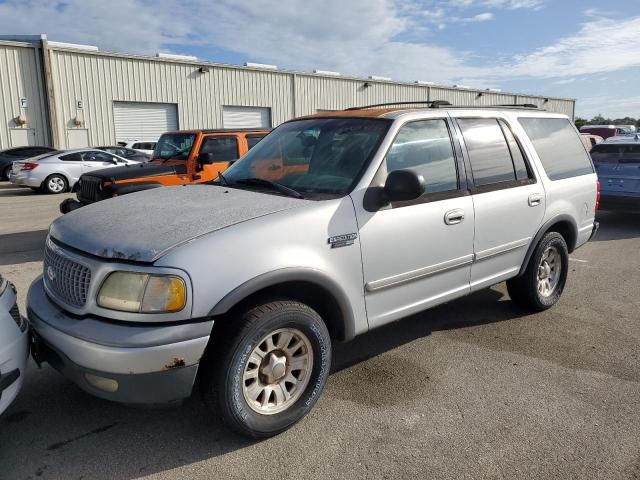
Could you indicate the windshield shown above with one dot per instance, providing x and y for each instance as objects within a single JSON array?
[
  {"x": 323, "y": 156},
  {"x": 174, "y": 146}
]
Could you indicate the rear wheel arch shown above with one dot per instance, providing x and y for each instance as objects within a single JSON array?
[
  {"x": 305, "y": 285},
  {"x": 564, "y": 225}
]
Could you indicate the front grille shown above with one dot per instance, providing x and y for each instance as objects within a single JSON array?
[
  {"x": 15, "y": 314},
  {"x": 89, "y": 189},
  {"x": 65, "y": 278}
]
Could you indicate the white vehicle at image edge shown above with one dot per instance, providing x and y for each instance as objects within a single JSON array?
[
  {"x": 58, "y": 172},
  {"x": 14, "y": 345},
  {"x": 332, "y": 225}
]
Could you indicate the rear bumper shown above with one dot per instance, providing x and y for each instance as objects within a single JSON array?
[
  {"x": 25, "y": 179},
  {"x": 619, "y": 200},
  {"x": 596, "y": 226},
  {"x": 123, "y": 362}
]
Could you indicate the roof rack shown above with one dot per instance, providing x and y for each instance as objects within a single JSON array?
[
  {"x": 430, "y": 104},
  {"x": 447, "y": 104},
  {"x": 518, "y": 105}
]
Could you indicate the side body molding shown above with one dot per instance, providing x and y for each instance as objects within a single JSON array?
[
  {"x": 291, "y": 274},
  {"x": 540, "y": 234}
]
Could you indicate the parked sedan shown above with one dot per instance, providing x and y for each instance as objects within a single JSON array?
[
  {"x": 617, "y": 162},
  {"x": 59, "y": 172},
  {"x": 14, "y": 345},
  {"x": 7, "y": 157},
  {"x": 128, "y": 153}
]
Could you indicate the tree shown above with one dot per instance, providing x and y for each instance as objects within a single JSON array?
[{"x": 580, "y": 122}]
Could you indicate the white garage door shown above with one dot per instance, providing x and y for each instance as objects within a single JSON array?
[
  {"x": 143, "y": 121},
  {"x": 246, "y": 117}
]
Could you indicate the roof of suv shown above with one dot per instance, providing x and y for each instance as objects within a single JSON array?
[
  {"x": 625, "y": 139},
  {"x": 392, "y": 112}
]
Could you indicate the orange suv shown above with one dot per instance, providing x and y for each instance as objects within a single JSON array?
[{"x": 180, "y": 158}]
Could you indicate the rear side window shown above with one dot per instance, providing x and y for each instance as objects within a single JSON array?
[
  {"x": 603, "y": 153},
  {"x": 252, "y": 140},
  {"x": 558, "y": 146},
  {"x": 489, "y": 153},
  {"x": 71, "y": 157},
  {"x": 425, "y": 148},
  {"x": 224, "y": 149}
]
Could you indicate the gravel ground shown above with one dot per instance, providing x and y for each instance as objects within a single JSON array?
[{"x": 473, "y": 389}]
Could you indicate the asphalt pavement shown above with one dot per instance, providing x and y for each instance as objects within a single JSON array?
[{"x": 476, "y": 389}]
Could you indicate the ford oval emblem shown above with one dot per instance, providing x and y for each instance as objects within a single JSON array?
[{"x": 51, "y": 273}]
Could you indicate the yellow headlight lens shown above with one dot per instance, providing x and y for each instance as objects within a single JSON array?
[
  {"x": 164, "y": 294},
  {"x": 143, "y": 293}
]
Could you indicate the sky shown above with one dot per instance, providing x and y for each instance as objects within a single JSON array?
[{"x": 579, "y": 49}]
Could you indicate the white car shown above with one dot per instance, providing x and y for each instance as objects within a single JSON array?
[
  {"x": 58, "y": 172},
  {"x": 144, "y": 146},
  {"x": 14, "y": 345}
]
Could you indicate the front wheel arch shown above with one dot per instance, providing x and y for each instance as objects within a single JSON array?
[{"x": 306, "y": 285}]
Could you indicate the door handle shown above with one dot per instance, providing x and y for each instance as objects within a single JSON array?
[
  {"x": 453, "y": 217},
  {"x": 535, "y": 200}
]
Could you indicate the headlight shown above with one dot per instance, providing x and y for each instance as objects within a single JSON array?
[{"x": 143, "y": 293}]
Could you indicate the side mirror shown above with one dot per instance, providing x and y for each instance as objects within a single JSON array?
[
  {"x": 206, "y": 158},
  {"x": 403, "y": 185}
]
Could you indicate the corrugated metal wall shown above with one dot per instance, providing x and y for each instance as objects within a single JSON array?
[
  {"x": 99, "y": 79},
  {"x": 20, "y": 76}
]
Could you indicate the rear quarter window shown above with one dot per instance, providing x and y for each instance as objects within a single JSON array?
[{"x": 558, "y": 146}]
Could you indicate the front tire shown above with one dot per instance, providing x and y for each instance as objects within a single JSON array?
[
  {"x": 542, "y": 283},
  {"x": 266, "y": 369},
  {"x": 6, "y": 172},
  {"x": 54, "y": 184}
]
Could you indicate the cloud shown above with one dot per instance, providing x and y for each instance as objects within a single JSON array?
[
  {"x": 394, "y": 38},
  {"x": 601, "y": 45}
]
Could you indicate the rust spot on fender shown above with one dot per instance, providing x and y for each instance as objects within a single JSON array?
[{"x": 175, "y": 363}]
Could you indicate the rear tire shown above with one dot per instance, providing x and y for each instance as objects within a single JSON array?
[
  {"x": 543, "y": 281},
  {"x": 265, "y": 369},
  {"x": 55, "y": 184},
  {"x": 6, "y": 172}
]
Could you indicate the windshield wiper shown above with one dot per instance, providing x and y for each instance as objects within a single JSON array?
[{"x": 274, "y": 185}]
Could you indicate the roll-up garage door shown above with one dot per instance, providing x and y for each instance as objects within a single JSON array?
[
  {"x": 143, "y": 121},
  {"x": 246, "y": 117}
]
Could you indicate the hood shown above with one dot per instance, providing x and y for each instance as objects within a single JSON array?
[
  {"x": 143, "y": 226},
  {"x": 138, "y": 170}
]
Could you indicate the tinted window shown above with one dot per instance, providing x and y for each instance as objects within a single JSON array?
[
  {"x": 488, "y": 151},
  {"x": 559, "y": 147},
  {"x": 517, "y": 155},
  {"x": 604, "y": 153},
  {"x": 223, "y": 149},
  {"x": 144, "y": 146},
  {"x": 425, "y": 148},
  {"x": 252, "y": 140},
  {"x": 71, "y": 157}
]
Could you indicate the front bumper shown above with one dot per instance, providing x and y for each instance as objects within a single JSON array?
[
  {"x": 14, "y": 348},
  {"x": 125, "y": 362}
]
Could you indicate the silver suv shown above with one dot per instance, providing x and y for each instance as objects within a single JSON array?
[{"x": 332, "y": 225}]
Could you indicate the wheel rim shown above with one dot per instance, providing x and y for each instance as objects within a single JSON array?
[
  {"x": 56, "y": 184},
  {"x": 549, "y": 271},
  {"x": 277, "y": 371}
]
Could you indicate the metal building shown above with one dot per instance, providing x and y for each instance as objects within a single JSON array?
[{"x": 67, "y": 95}]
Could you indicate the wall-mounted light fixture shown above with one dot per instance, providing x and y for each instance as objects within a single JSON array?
[
  {"x": 546, "y": 100},
  {"x": 204, "y": 69},
  {"x": 480, "y": 94},
  {"x": 366, "y": 85}
]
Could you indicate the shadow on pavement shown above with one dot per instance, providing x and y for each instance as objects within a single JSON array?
[
  {"x": 10, "y": 190},
  {"x": 617, "y": 225},
  {"x": 82, "y": 435},
  {"x": 16, "y": 248}
]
